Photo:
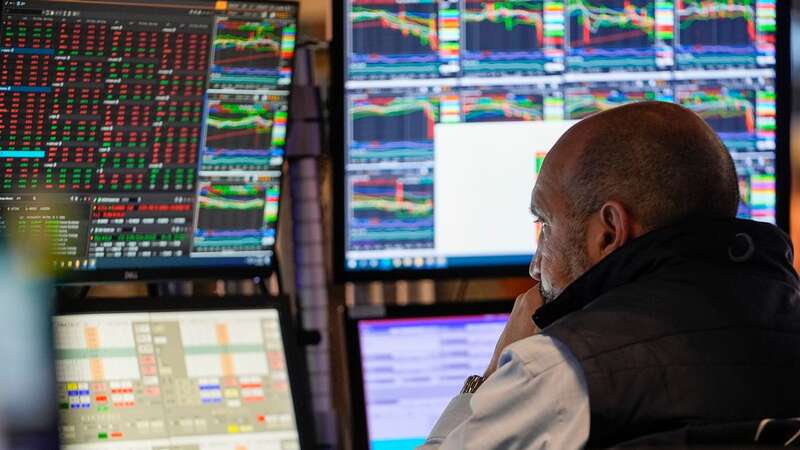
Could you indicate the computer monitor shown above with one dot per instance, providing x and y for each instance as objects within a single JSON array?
[
  {"x": 407, "y": 362},
  {"x": 448, "y": 108},
  {"x": 223, "y": 375},
  {"x": 145, "y": 139}
]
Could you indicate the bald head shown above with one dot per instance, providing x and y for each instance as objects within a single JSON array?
[
  {"x": 660, "y": 160},
  {"x": 619, "y": 174}
]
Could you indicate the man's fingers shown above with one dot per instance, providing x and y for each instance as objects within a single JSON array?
[
  {"x": 519, "y": 325},
  {"x": 530, "y": 300}
]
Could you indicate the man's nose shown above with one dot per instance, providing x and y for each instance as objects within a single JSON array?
[{"x": 535, "y": 268}]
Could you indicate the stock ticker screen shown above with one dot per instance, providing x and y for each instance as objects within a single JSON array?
[
  {"x": 200, "y": 380},
  {"x": 451, "y": 106},
  {"x": 145, "y": 134}
]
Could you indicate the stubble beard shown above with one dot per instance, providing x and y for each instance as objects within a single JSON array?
[
  {"x": 577, "y": 260},
  {"x": 547, "y": 292}
]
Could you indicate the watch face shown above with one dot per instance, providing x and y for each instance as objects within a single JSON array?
[{"x": 472, "y": 384}]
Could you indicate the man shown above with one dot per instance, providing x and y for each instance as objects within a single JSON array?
[{"x": 664, "y": 316}]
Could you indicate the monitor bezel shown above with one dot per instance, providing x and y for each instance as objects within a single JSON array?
[
  {"x": 338, "y": 109},
  {"x": 351, "y": 317},
  {"x": 293, "y": 351},
  {"x": 176, "y": 271}
]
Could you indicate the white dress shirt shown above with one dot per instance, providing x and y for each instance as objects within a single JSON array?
[{"x": 537, "y": 399}]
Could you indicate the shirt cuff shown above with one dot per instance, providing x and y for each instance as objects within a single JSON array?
[{"x": 457, "y": 411}]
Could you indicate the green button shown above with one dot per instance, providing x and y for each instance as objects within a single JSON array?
[{"x": 102, "y": 436}]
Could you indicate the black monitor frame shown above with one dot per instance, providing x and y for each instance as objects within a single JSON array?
[
  {"x": 351, "y": 318},
  {"x": 83, "y": 277},
  {"x": 783, "y": 126},
  {"x": 337, "y": 105},
  {"x": 293, "y": 352}
]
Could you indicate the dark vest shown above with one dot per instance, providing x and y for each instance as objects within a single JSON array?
[{"x": 690, "y": 325}]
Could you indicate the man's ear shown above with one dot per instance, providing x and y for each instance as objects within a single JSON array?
[{"x": 611, "y": 227}]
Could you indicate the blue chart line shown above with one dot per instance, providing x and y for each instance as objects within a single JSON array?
[
  {"x": 392, "y": 212},
  {"x": 215, "y": 158},
  {"x": 721, "y": 32},
  {"x": 390, "y": 39},
  {"x": 391, "y": 151},
  {"x": 611, "y": 34},
  {"x": 505, "y": 36},
  {"x": 231, "y": 238}
]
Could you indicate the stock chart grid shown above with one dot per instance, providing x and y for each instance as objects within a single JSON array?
[
  {"x": 115, "y": 117},
  {"x": 415, "y": 67}
]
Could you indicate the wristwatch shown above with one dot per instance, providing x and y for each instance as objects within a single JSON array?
[{"x": 472, "y": 383}]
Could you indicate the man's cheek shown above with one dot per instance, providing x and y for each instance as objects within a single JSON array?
[
  {"x": 553, "y": 269},
  {"x": 549, "y": 259},
  {"x": 546, "y": 266}
]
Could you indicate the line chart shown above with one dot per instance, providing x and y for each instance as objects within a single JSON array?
[
  {"x": 393, "y": 128},
  {"x": 582, "y": 101},
  {"x": 503, "y": 26},
  {"x": 247, "y": 47},
  {"x": 729, "y": 110},
  {"x": 392, "y": 211},
  {"x": 233, "y": 125},
  {"x": 714, "y": 33},
  {"x": 500, "y": 106},
  {"x": 231, "y": 216},
  {"x": 512, "y": 36},
  {"x": 395, "y": 38},
  {"x": 611, "y": 34}
]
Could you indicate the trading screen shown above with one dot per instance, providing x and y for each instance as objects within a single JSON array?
[
  {"x": 145, "y": 134},
  {"x": 413, "y": 367},
  {"x": 212, "y": 380},
  {"x": 451, "y": 105}
]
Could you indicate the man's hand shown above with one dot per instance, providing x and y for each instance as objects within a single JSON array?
[{"x": 519, "y": 325}]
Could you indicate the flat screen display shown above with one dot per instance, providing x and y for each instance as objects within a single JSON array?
[
  {"x": 412, "y": 367},
  {"x": 450, "y": 106},
  {"x": 200, "y": 380},
  {"x": 138, "y": 137}
]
